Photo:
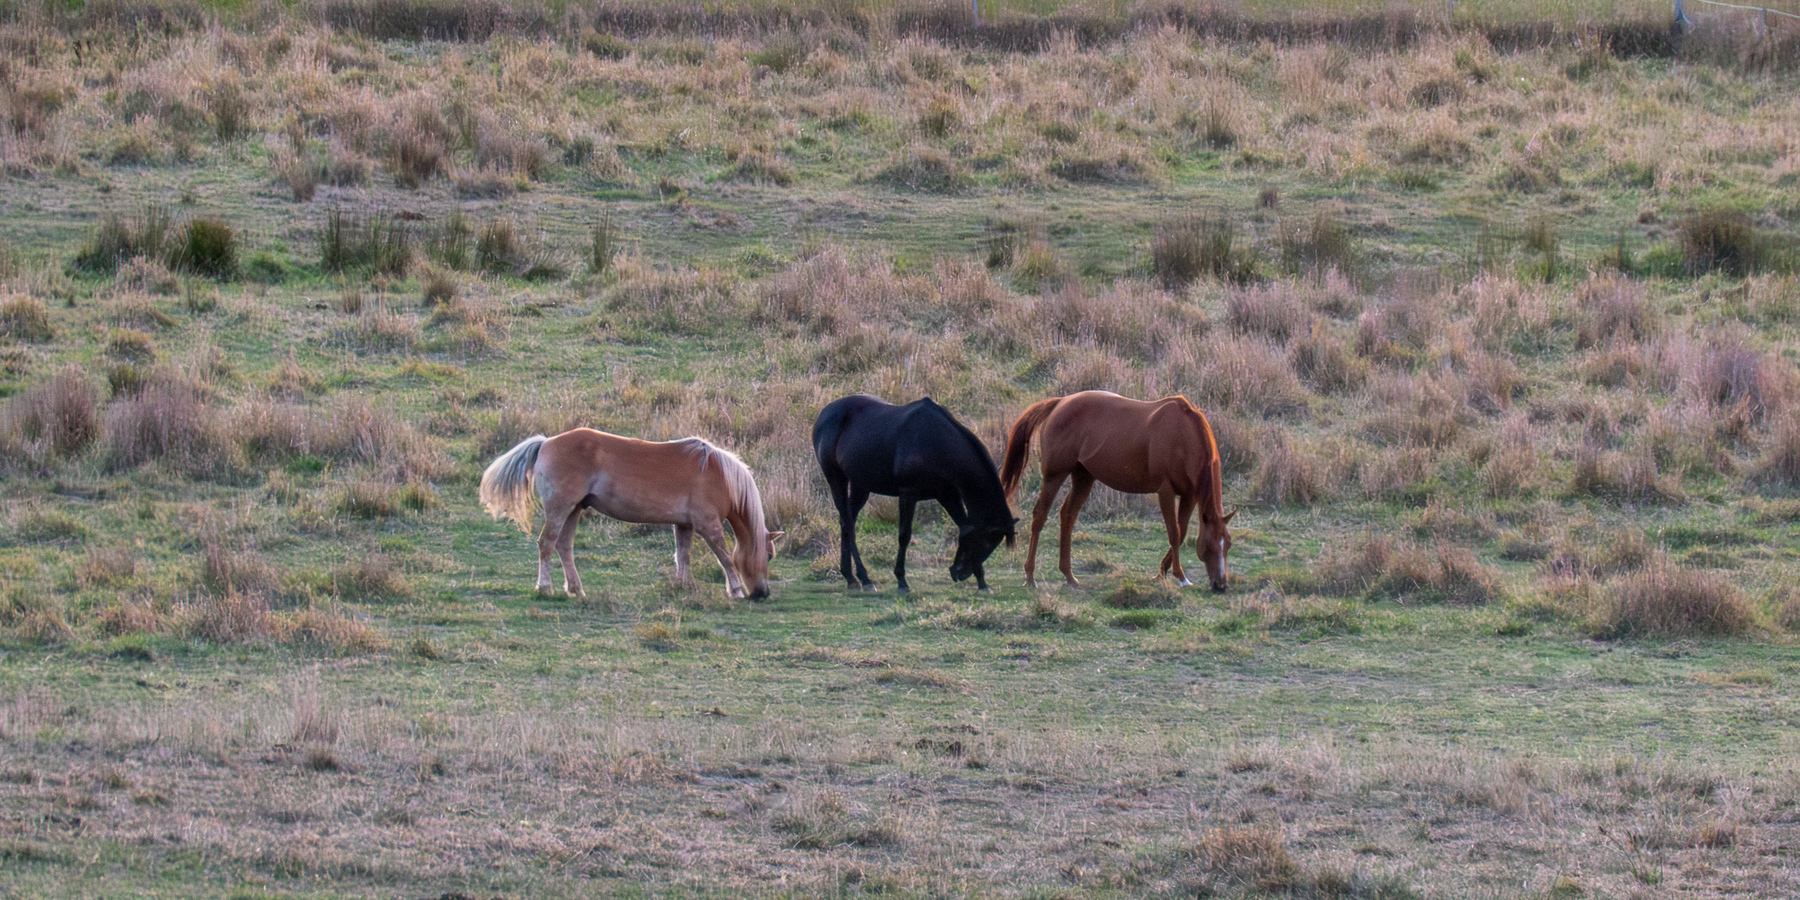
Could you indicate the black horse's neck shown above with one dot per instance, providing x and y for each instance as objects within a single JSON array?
[{"x": 976, "y": 477}]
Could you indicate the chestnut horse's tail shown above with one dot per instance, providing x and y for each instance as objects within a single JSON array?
[
  {"x": 1018, "y": 444},
  {"x": 506, "y": 485}
]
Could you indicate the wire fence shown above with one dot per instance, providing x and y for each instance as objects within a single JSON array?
[{"x": 1762, "y": 12}]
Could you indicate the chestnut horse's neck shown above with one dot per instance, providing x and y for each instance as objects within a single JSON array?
[{"x": 1209, "y": 485}]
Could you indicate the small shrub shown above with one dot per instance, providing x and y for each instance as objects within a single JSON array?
[
  {"x": 1201, "y": 247},
  {"x": 234, "y": 618},
  {"x": 1287, "y": 475},
  {"x": 605, "y": 45},
  {"x": 374, "y": 577},
  {"x": 368, "y": 500},
  {"x": 1721, "y": 240},
  {"x": 26, "y": 319},
  {"x": 379, "y": 242},
  {"x": 1779, "y": 466},
  {"x": 762, "y": 168},
  {"x": 131, "y": 345},
  {"x": 209, "y": 247},
  {"x": 1252, "y": 855},
  {"x": 302, "y": 178},
  {"x": 487, "y": 184},
  {"x": 1664, "y": 600},
  {"x": 927, "y": 169},
  {"x": 603, "y": 244},
  {"x": 1133, "y": 593},
  {"x": 117, "y": 240},
  {"x": 1318, "y": 244},
  {"x": 449, "y": 241},
  {"x": 63, "y": 411},
  {"x": 416, "y": 157},
  {"x": 437, "y": 287},
  {"x": 230, "y": 112},
  {"x": 499, "y": 250}
]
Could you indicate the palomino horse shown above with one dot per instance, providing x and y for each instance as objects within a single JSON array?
[
  {"x": 689, "y": 483},
  {"x": 915, "y": 452},
  {"x": 1161, "y": 446}
]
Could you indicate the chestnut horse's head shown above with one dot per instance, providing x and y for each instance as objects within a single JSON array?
[
  {"x": 1212, "y": 545},
  {"x": 752, "y": 561}
]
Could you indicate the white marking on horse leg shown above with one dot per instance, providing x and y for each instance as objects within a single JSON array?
[{"x": 1186, "y": 583}]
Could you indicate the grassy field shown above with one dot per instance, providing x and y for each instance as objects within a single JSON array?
[{"x": 1495, "y": 316}]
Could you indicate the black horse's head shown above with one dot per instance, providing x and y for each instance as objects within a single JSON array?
[{"x": 975, "y": 544}]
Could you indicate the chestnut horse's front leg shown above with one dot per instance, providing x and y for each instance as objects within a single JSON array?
[{"x": 1175, "y": 523}]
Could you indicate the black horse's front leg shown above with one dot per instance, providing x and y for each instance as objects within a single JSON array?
[
  {"x": 907, "y": 504},
  {"x": 980, "y": 578}
]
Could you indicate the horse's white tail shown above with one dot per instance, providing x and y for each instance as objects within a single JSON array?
[{"x": 506, "y": 485}]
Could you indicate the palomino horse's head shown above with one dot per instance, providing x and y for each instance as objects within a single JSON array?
[
  {"x": 753, "y": 564},
  {"x": 1211, "y": 546},
  {"x": 975, "y": 544}
]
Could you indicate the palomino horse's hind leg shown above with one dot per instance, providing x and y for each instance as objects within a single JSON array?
[
  {"x": 714, "y": 536},
  {"x": 565, "y": 548},
  {"x": 684, "y": 542},
  {"x": 1080, "y": 486},
  {"x": 1040, "y": 512},
  {"x": 559, "y": 537},
  {"x": 1175, "y": 522}
]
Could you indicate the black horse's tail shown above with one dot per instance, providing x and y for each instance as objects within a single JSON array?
[{"x": 1018, "y": 444}]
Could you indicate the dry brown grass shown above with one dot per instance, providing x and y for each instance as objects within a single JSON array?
[{"x": 1662, "y": 599}]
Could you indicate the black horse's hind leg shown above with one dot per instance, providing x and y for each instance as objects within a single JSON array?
[
  {"x": 858, "y": 497},
  {"x": 849, "y": 502},
  {"x": 907, "y": 504}
]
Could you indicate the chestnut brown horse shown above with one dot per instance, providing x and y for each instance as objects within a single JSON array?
[
  {"x": 689, "y": 484},
  {"x": 1165, "y": 447}
]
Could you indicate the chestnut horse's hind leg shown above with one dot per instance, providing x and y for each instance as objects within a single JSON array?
[
  {"x": 714, "y": 536},
  {"x": 1080, "y": 486},
  {"x": 1175, "y": 522},
  {"x": 1040, "y": 512}
]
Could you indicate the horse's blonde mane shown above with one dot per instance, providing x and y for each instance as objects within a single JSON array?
[{"x": 746, "y": 500}]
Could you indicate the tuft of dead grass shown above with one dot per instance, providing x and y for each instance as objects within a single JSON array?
[{"x": 1662, "y": 599}]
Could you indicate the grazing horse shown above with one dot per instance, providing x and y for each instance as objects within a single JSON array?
[
  {"x": 1162, "y": 446},
  {"x": 866, "y": 445},
  {"x": 689, "y": 483}
]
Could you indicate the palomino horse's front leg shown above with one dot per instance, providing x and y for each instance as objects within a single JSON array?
[
  {"x": 1040, "y": 512},
  {"x": 1175, "y": 522},
  {"x": 1080, "y": 486},
  {"x": 714, "y": 536}
]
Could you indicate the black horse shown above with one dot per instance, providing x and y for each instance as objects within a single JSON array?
[{"x": 914, "y": 452}]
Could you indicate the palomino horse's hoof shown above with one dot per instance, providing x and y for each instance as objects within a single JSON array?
[{"x": 1184, "y": 583}]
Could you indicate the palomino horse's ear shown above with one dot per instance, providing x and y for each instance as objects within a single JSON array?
[{"x": 775, "y": 536}]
